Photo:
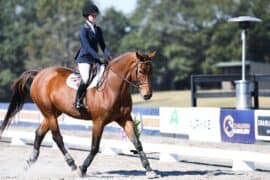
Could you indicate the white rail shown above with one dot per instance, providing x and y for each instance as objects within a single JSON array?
[{"x": 242, "y": 160}]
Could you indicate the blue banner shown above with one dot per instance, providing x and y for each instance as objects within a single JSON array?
[
  {"x": 146, "y": 111},
  {"x": 237, "y": 126}
]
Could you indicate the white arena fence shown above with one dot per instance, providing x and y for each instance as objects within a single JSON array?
[
  {"x": 30, "y": 116},
  {"x": 199, "y": 124}
]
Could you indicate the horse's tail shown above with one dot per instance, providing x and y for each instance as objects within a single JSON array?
[{"x": 20, "y": 90}]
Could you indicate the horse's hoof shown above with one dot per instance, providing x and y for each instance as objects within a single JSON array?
[
  {"x": 151, "y": 175},
  {"x": 81, "y": 172},
  {"x": 28, "y": 164},
  {"x": 26, "y": 167},
  {"x": 73, "y": 167}
]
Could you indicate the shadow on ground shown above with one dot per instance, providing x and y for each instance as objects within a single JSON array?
[{"x": 171, "y": 173}]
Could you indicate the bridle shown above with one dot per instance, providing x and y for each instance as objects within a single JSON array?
[{"x": 136, "y": 85}]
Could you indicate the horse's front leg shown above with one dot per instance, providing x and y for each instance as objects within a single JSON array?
[
  {"x": 128, "y": 127},
  {"x": 96, "y": 136}
]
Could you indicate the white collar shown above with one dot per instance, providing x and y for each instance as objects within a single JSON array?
[{"x": 91, "y": 26}]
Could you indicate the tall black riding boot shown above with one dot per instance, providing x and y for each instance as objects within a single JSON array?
[{"x": 80, "y": 95}]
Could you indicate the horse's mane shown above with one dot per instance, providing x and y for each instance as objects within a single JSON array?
[{"x": 118, "y": 58}]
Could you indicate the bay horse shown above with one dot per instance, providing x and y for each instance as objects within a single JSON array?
[{"x": 111, "y": 101}]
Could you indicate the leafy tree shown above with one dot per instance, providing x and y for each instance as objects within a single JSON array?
[
  {"x": 115, "y": 26},
  {"x": 190, "y": 36},
  {"x": 15, "y": 27},
  {"x": 55, "y": 37},
  {"x": 259, "y": 36}
]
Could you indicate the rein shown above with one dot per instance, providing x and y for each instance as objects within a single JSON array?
[{"x": 130, "y": 82}]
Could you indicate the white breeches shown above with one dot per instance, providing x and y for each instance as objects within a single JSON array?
[{"x": 84, "y": 69}]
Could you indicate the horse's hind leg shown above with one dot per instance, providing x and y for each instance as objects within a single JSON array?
[
  {"x": 58, "y": 139},
  {"x": 40, "y": 134},
  {"x": 128, "y": 127}
]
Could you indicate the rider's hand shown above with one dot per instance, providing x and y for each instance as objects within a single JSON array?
[
  {"x": 109, "y": 58},
  {"x": 107, "y": 54}
]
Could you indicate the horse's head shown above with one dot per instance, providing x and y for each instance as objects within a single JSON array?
[{"x": 143, "y": 74}]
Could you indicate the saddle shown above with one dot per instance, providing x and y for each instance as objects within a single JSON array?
[{"x": 74, "y": 79}]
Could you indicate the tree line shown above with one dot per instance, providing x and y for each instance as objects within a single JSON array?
[{"x": 190, "y": 36}]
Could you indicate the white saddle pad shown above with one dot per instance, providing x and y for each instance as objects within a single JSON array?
[{"x": 74, "y": 79}]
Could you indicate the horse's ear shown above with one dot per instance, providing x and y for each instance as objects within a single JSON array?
[
  {"x": 139, "y": 56},
  {"x": 151, "y": 54}
]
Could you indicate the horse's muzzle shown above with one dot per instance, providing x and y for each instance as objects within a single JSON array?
[
  {"x": 146, "y": 91},
  {"x": 147, "y": 96}
]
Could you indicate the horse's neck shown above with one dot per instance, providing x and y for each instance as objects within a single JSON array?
[{"x": 118, "y": 75}]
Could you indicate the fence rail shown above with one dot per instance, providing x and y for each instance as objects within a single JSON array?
[{"x": 195, "y": 80}]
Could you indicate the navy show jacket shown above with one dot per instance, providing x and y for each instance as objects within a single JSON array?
[{"x": 88, "y": 53}]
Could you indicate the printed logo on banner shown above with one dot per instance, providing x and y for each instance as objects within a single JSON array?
[
  {"x": 262, "y": 124},
  {"x": 204, "y": 124},
  {"x": 228, "y": 125},
  {"x": 172, "y": 120},
  {"x": 237, "y": 126},
  {"x": 200, "y": 124},
  {"x": 231, "y": 128}
]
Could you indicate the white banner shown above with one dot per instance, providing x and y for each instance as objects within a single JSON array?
[
  {"x": 201, "y": 124},
  {"x": 174, "y": 120},
  {"x": 204, "y": 124}
]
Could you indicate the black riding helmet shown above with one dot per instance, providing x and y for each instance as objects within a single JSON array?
[{"x": 89, "y": 8}]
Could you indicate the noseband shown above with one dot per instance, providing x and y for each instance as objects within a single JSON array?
[{"x": 136, "y": 85}]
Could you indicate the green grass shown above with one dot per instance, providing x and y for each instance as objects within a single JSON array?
[
  {"x": 164, "y": 98},
  {"x": 183, "y": 99}
]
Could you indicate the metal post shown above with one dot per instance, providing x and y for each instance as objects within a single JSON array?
[
  {"x": 243, "y": 87},
  {"x": 193, "y": 91},
  {"x": 243, "y": 94},
  {"x": 243, "y": 37}
]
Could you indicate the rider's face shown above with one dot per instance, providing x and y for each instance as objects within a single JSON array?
[{"x": 92, "y": 17}]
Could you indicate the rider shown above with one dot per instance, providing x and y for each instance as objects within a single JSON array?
[{"x": 90, "y": 37}]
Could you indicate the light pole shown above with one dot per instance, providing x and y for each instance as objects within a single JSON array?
[{"x": 243, "y": 87}]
